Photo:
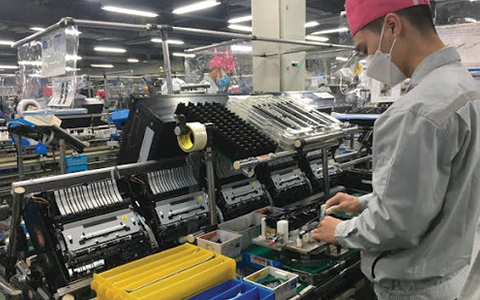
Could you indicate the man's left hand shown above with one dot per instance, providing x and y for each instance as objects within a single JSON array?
[{"x": 326, "y": 230}]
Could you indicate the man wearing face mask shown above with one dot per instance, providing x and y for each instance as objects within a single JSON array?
[
  {"x": 416, "y": 230},
  {"x": 221, "y": 67}
]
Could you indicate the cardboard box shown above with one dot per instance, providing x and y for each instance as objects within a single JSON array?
[
  {"x": 222, "y": 242},
  {"x": 285, "y": 290}
]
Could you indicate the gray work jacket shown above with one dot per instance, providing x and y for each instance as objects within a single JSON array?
[{"x": 417, "y": 227}]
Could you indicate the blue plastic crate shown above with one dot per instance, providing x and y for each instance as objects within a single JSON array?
[
  {"x": 235, "y": 289},
  {"x": 77, "y": 163},
  {"x": 76, "y": 160}
]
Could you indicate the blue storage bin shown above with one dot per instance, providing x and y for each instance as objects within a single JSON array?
[
  {"x": 77, "y": 163},
  {"x": 235, "y": 289}
]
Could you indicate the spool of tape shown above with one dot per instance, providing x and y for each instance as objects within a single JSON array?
[{"x": 195, "y": 139}]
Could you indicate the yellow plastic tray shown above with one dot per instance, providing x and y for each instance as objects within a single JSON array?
[{"x": 178, "y": 273}]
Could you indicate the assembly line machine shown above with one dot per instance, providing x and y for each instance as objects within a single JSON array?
[{"x": 187, "y": 165}]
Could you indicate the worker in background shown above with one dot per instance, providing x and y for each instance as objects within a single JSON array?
[
  {"x": 416, "y": 230},
  {"x": 221, "y": 68},
  {"x": 177, "y": 84}
]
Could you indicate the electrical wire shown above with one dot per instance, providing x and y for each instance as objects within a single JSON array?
[{"x": 40, "y": 200}]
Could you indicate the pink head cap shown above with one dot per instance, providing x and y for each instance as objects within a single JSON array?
[
  {"x": 362, "y": 12},
  {"x": 226, "y": 62}
]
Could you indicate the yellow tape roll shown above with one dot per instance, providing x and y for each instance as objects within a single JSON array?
[{"x": 195, "y": 139}]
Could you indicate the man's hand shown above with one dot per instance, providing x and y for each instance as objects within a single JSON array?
[
  {"x": 326, "y": 230},
  {"x": 341, "y": 201}
]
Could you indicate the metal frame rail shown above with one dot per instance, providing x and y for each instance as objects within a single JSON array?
[{"x": 164, "y": 31}]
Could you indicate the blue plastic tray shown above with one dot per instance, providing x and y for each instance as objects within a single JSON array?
[
  {"x": 77, "y": 160},
  {"x": 235, "y": 289}
]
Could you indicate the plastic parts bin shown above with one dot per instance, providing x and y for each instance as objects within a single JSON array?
[
  {"x": 178, "y": 273},
  {"x": 235, "y": 289}
]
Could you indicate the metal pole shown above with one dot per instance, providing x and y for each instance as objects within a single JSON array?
[
  {"x": 326, "y": 177},
  {"x": 111, "y": 25},
  {"x": 248, "y": 164},
  {"x": 21, "y": 170},
  {"x": 303, "y": 43},
  {"x": 66, "y": 180},
  {"x": 166, "y": 61},
  {"x": 357, "y": 161},
  {"x": 62, "y": 23},
  {"x": 204, "y": 48},
  {"x": 89, "y": 86},
  {"x": 105, "y": 82},
  {"x": 251, "y": 37},
  {"x": 212, "y": 203},
  {"x": 308, "y": 49},
  {"x": 63, "y": 162},
  {"x": 205, "y": 32},
  {"x": 194, "y": 31},
  {"x": 324, "y": 137},
  {"x": 18, "y": 194}
]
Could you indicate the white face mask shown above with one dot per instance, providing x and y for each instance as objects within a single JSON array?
[{"x": 380, "y": 66}]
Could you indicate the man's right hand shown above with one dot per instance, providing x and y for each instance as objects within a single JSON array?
[{"x": 341, "y": 201}]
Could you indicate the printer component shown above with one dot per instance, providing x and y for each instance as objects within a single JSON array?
[
  {"x": 83, "y": 229},
  {"x": 237, "y": 194},
  {"x": 285, "y": 181},
  {"x": 283, "y": 119},
  {"x": 172, "y": 201}
]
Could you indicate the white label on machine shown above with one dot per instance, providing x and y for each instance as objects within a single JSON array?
[
  {"x": 146, "y": 145},
  {"x": 54, "y": 49},
  {"x": 63, "y": 92}
]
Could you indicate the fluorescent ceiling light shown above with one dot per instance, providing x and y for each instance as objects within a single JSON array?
[
  {"x": 241, "y": 48},
  {"x": 240, "y": 28},
  {"x": 105, "y": 66},
  {"x": 240, "y": 19},
  {"x": 127, "y": 11},
  {"x": 339, "y": 58},
  {"x": 171, "y": 42},
  {"x": 8, "y": 67},
  {"x": 72, "y": 32},
  {"x": 321, "y": 39},
  {"x": 6, "y": 43},
  {"x": 133, "y": 60},
  {"x": 333, "y": 30},
  {"x": 110, "y": 49},
  {"x": 68, "y": 69},
  {"x": 30, "y": 63},
  {"x": 195, "y": 6},
  {"x": 179, "y": 54},
  {"x": 72, "y": 57},
  {"x": 311, "y": 24},
  {"x": 37, "y": 28}
]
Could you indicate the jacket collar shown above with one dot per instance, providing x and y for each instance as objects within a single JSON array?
[{"x": 445, "y": 56}]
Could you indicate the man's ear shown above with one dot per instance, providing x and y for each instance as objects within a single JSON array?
[{"x": 393, "y": 22}]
